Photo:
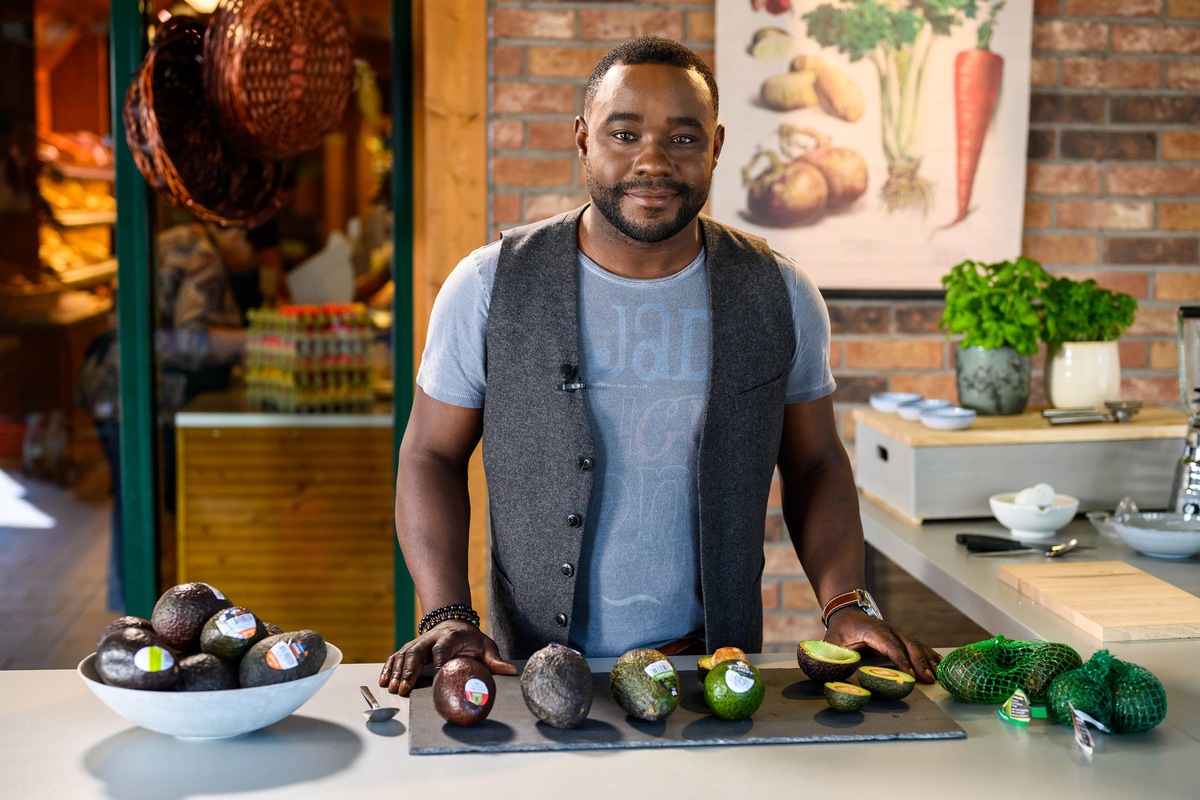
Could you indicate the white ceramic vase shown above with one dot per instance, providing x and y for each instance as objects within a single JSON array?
[{"x": 1083, "y": 374}]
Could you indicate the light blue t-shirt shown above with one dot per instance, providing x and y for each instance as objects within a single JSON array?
[{"x": 646, "y": 355}]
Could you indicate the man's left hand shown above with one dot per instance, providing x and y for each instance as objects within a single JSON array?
[{"x": 853, "y": 629}]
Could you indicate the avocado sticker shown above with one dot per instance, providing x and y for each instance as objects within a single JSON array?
[
  {"x": 153, "y": 659},
  {"x": 661, "y": 671},
  {"x": 739, "y": 678},
  {"x": 286, "y": 654},
  {"x": 476, "y": 692},
  {"x": 236, "y": 623}
]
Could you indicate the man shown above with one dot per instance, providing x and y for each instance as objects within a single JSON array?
[{"x": 636, "y": 372}]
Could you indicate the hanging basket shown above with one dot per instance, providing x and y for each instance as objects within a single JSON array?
[
  {"x": 174, "y": 139},
  {"x": 278, "y": 73}
]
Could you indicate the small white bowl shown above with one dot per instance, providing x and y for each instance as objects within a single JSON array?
[
  {"x": 1032, "y": 522},
  {"x": 951, "y": 418},
  {"x": 209, "y": 715},
  {"x": 1160, "y": 535},
  {"x": 890, "y": 401},
  {"x": 914, "y": 410}
]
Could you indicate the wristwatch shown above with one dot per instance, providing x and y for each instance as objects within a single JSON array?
[{"x": 857, "y": 597}]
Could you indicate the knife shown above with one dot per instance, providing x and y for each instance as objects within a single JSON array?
[{"x": 980, "y": 543}]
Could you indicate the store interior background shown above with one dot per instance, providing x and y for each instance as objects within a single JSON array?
[{"x": 1113, "y": 192}]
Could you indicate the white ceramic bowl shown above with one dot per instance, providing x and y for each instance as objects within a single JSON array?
[
  {"x": 1160, "y": 535},
  {"x": 890, "y": 401},
  {"x": 209, "y": 715},
  {"x": 913, "y": 410},
  {"x": 951, "y": 418},
  {"x": 1032, "y": 522}
]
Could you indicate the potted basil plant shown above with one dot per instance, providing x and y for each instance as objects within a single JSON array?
[
  {"x": 996, "y": 309},
  {"x": 1081, "y": 323}
]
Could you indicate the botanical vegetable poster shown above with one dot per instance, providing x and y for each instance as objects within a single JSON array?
[{"x": 878, "y": 142}]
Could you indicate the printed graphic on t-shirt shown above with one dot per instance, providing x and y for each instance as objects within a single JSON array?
[{"x": 646, "y": 362}]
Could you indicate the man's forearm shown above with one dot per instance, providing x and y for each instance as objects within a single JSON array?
[
  {"x": 821, "y": 511},
  {"x": 432, "y": 525}
]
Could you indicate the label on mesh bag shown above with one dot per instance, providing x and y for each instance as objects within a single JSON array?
[{"x": 1016, "y": 709}]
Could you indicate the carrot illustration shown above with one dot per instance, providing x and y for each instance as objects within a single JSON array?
[{"x": 977, "y": 78}]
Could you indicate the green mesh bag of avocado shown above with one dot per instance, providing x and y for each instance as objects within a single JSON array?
[
  {"x": 1125, "y": 697},
  {"x": 991, "y": 670}
]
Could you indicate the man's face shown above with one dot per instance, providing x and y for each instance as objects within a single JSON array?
[{"x": 649, "y": 146}]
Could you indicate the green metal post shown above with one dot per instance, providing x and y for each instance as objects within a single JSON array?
[
  {"x": 402, "y": 275},
  {"x": 135, "y": 320}
]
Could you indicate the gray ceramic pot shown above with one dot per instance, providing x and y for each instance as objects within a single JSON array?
[{"x": 993, "y": 382}]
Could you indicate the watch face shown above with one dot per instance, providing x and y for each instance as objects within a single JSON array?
[{"x": 867, "y": 604}]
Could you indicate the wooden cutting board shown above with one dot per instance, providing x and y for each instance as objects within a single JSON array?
[{"x": 1110, "y": 600}]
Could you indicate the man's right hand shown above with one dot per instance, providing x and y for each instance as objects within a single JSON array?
[{"x": 449, "y": 640}]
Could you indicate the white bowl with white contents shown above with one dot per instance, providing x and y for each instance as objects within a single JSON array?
[
  {"x": 913, "y": 411},
  {"x": 950, "y": 418},
  {"x": 1160, "y": 534},
  {"x": 209, "y": 715},
  {"x": 891, "y": 401},
  {"x": 1033, "y": 521}
]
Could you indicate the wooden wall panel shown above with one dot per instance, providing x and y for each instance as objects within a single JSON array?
[{"x": 294, "y": 524}]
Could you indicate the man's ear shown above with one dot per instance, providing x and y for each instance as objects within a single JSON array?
[
  {"x": 718, "y": 143},
  {"x": 581, "y": 134}
]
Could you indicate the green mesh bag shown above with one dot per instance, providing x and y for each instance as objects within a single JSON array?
[
  {"x": 1086, "y": 689},
  {"x": 1125, "y": 697},
  {"x": 1139, "y": 699},
  {"x": 991, "y": 670}
]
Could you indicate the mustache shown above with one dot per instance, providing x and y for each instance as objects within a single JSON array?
[{"x": 653, "y": 185}]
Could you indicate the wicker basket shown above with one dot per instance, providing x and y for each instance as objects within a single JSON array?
[
  {"x": 278, "y": 73},
  {"x": 174, "y": 137}
]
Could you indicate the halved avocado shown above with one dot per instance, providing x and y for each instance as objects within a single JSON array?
[
  {"x": 824, "y": 662},
  {"x": 845, "y": 696},
  {"x": 888, "y": 683},
  {"x": 703, "y": 666}
]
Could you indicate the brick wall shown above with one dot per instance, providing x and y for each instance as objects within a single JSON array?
[{"x": 1113, "y": 190}]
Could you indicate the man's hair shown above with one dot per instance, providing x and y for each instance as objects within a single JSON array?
[{"x": 649, "y": 50}]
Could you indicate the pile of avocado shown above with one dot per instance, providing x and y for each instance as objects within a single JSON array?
[
  {"x": 197, "y": 640},
  {"x": 833, "y": 666}
]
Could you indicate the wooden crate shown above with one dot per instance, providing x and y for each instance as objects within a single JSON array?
[
  {"x": 920, "y": 473},
  {"x": 294, "y": 523}
]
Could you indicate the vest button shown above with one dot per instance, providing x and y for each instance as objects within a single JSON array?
[
  {"x": 561, "y": 619},
  {"x": 587, "y": 463},
  {"x": 567, "y": 570},
  {"x": 574, "y": 520}
]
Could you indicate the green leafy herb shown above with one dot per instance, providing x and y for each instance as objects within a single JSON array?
[
  {"x": 996, "y": 305},
  {"x": 1084, "y": 311}
]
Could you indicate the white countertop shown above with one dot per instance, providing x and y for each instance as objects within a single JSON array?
[{"x": 58, "y": 741}]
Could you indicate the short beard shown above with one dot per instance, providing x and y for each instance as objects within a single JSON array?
[{"x": 607, "y": 200}]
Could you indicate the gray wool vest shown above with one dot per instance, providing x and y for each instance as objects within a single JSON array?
[{"x": 538, "y": 447}]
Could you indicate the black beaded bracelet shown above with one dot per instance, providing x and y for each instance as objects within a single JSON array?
[{"x": 438, "y": 616}]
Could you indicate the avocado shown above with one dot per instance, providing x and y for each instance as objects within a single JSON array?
[
  {"x": 135, "y": 658},
  {"x": 645, "y": 684},
  {"x": 204, "y": 672},
  {"x": 272, "y": 628},
  {"x": 281, "y": 658},
  {"x": 845, "y": 696},
  {"x": 121, "y": 623},
  {"x": 1046, "y": 662},
  {"x": 230, "y": 632},
  {"x": 734, "y": 689},
  {"x": 181, "y": 611},
  {"x": 557, "y": 686},
  {"x": 464, "y": 691},
  {"x": 703, "y": 665},
  {"x": 824, "y": 662},
  {"x": 728, "y": 654},
  {"x": 891, "y": 684}
]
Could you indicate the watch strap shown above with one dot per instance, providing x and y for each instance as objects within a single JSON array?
[{"x": 854, "y": 597}]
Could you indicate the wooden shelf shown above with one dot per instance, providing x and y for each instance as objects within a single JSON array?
[{"x": 77, "y": 218}]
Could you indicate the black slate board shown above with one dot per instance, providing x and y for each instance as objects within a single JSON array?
[{"x": 793, "y": 711}]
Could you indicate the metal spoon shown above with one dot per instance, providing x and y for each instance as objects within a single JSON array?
[
  {"x": 1052, "y": 552},
  {"x": 376, "y": 712}
]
